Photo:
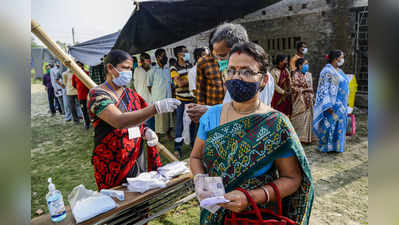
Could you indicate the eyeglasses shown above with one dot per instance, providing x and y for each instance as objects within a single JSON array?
[{"x": 247, "y": 74}]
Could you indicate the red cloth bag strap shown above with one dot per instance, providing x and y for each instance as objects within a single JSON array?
[
  {"x": 254, "y": 205},
  {"x": 278, "y": 197}
]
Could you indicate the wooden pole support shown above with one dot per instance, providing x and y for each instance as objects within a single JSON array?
[
  {"x": 163, "y": 150},
  {"x": 61, "y": 55}
]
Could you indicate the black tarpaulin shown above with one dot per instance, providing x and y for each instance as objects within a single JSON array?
[{"x": 157, "y": 23}]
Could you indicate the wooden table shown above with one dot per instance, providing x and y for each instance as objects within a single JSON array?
[{"x": 136, "y": 208}]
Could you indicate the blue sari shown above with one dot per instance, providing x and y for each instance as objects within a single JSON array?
[{"x": 332, "y": 92}]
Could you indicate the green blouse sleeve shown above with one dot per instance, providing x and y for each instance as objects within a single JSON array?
[{"x": 99, "y": 100}]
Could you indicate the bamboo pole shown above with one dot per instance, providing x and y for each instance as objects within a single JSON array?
[
  {"x": 61, "y": 55},
  {"x": 162, "y": 149},
  {"x": 71, "y": 64}
]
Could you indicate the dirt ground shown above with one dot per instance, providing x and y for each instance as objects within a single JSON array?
[{"x": 63, "y": 150}]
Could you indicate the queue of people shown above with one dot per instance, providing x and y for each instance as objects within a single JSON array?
[
  {"x": 248, "y": 119},
  {"x": 60, "y": 91}
]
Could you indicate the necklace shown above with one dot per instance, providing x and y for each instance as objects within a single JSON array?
[{"x": 248, "y": 112}]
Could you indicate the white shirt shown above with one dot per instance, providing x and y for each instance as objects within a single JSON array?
[
  {"x": 140, "y": 84},
  {"x": 67, "y": 79},
  {"x": 192, "y": 76},
  {"x": 265, "y": 96},
  {"x": 159, "y": 80}
]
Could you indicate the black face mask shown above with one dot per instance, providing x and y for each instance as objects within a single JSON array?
[
  {"x": 242, "y": 91},
  {"x": 164, "y": 60}
]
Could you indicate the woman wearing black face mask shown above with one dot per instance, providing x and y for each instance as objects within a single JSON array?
[{"x": 246, "y": 143}]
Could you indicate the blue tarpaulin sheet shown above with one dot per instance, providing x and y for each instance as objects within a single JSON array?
[{"x": 91, "y": 52}]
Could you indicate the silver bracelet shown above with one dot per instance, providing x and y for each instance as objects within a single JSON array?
[{"x": 266, "y": 193}]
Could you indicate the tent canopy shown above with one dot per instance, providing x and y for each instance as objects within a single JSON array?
[
  {"x": 156, "y": 23},
  {"x": 91, "y": 52}
]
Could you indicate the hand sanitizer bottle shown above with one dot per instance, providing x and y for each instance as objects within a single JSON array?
[{"x": 55, "y": 203}]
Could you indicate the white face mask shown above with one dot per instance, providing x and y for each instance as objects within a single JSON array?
[
  {"x": 340, "y": 62},
  {"x": 305, "y": 50}
]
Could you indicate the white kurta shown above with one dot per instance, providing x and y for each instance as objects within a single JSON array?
[
  {"x": 192, "y": 76},
  {"x": 159, "y": 80},
  {"x": 140, "y": 84}
]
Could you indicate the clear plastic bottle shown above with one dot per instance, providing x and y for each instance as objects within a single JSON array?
[{"x": 55, "y": 203}]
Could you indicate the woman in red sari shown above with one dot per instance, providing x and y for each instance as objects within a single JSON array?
[
  {"x": 282, "y": 87},
  {"x": 118, "y": 115}
]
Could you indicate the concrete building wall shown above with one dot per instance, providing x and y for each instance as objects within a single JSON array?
[{"x": 323, "y": 24}]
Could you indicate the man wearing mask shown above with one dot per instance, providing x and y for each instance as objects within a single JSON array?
[
  {"x": 210, "y": 68},
  {"x": 301, "y": 49},
  {"x": 210, "y": 90},
  {"x": 159, "y": 86},
  {"x": 72, "y": 96},
  {"x": 140, "y": 83},
  {"x": 50, "y": 90},
  {"x": 183, "y": 94},
  {"x": 54, "y": 75}
]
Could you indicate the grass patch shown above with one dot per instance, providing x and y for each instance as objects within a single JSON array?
[{"x": 62, "y": 150}]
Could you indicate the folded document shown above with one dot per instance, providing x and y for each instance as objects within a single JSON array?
[{"x": 213, "y": 201}]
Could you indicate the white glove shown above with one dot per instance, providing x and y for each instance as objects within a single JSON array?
[
  {"x": 167, "y": 105},
  {"x": 151, "y": 137}
]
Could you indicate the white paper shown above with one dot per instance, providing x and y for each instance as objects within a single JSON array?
[
  {"x": 211, "y": 187},
  {"x": 134, "y": 132},
  {"x": 213, "y": 201}
]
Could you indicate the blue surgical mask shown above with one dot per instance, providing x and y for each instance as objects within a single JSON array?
[
  {"x": 242, "y": 91},
  {"x": 186, "y": 56},
  {"x": 124, "y": 78},
  {"x": 223, "y": 64},
  {"x": 305, "y": 68}
]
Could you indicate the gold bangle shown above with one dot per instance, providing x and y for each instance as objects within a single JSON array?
[{"x": 266, "y": 193}]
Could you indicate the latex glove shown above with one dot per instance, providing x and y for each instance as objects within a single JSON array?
[
  {"x": 199, "y": 187},
  {"x": 195, "y": 111},
  {"x": 151, "y": 137},
  {"x": 238, "y": 201},
  {"x": 167, "y": 105}
]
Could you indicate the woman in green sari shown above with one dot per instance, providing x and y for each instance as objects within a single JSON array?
[{"x": 249, "y": 144}]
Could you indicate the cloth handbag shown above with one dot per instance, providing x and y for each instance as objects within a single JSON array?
[
  {"x": 256, "y": 215},
  {"x": 351, "y": 127}
]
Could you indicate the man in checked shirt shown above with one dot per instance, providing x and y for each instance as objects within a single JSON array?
[{"x": 210, "y": 90}]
